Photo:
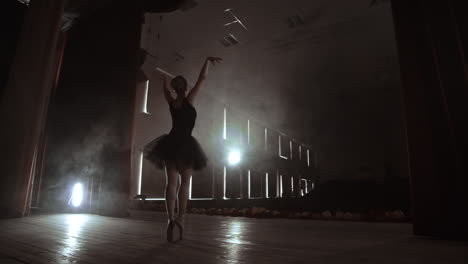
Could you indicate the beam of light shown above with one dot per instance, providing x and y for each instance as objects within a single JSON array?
[
  {"x": 140, "y": 172},
  {"x": 77, "y": 194},
  {"x": 308, "y": 159},
  {"x": 313, "y": 186},
  {"x": 224, "y": 183},
  {"x": 248, "y": 184},
  {"x": 224, "y": 125},
  {"x": 266, "y": 136},
  {"x": 234, "y": 157},
  {"x": 266, "y": 185},
  {"x": 145, "y": 98}
]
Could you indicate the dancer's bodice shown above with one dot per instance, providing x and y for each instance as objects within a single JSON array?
[{"x": 183, "y": 119}]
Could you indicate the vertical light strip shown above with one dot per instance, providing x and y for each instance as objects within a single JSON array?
[
  {"x": 266, "y": 136},
  {"x": 299, "y": 185},
  {"x": 292, "y": 185},
  {"x": 140, "y": 170},
  {"x": 306, "y": 187},
  {"x": 145, "y": 98},
  {"x": 248, "y": 132},
  {"x": 290, "y": 150},
  {"x": 277, "y": 179},
  {"x": 190, "y": 188},
  {"x": 266, "y": 185},
  {"x": 224, "y": 183},
  {"x": 279, "y": 144},
  {"x": 281, "y": 185},
  {"x": 300, "y": 152},
  {"x": 224, "y": 125},
  {"x": 248, "y": 185},
  {"x": 308, "y": 158}
]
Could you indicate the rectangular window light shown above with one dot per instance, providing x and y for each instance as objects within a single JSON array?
[{"x": 266, "y": 185}]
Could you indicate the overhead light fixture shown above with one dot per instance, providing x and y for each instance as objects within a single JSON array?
[
  {"x": 26, "y": 2},
  {"x": 236, "y": 20}
]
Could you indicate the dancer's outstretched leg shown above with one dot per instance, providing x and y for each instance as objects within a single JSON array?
[
  {"x": 183, "y": 196},
  {"x": 172, "y": 177}
]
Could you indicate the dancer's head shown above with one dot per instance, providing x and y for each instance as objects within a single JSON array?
[{"x": 179, "y": 84}]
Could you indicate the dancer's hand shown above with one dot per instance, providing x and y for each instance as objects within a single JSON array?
[{"x": 214, "y": 59}]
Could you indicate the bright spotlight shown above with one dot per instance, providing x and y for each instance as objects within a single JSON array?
[
  {"x": 77, "y": 194},
  {"x": 233, "y": 157}
]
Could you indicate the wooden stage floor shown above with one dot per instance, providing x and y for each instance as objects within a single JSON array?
[{"x": 77, "y": 238}]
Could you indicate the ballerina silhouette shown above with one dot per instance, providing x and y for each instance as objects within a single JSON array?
[{"x": 179, "y": 152}]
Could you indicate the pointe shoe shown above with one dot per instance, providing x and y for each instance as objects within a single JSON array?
[
  {"x": 180, "y": 225},
  {"x": 170, "y": 228}
]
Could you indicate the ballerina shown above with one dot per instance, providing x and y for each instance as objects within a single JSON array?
[{"x": 179, "y": 152}]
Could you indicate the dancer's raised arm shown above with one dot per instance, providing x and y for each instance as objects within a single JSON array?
[
  {"x": 167, "y": 92},
  {"x": 203, "y": 73}
]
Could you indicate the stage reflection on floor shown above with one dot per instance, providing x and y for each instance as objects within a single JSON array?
[{"x": 76, "y": 238}]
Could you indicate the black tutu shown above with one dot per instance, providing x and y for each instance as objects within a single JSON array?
[{"x": 182, "y": 150}]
